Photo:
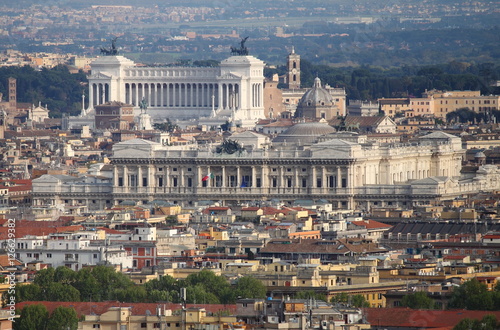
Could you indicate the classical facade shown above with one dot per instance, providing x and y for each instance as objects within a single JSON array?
[
  {"x": 233, "y": 89},
  {"x": 309, "y": 161},
  {"x": 344, "y": 168}
]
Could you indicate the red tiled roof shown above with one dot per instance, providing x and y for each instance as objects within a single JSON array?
[
  {"x": 98, "y": 308},
  {"x": 22, "y": 232},
  {"x": 491, "y": 236},
  {"x": 421, "y": 319},
  {"x": 371, "y": 224},
  {"x": 5, "y": 261},
  {"x": 66, "y": 229},
  {"x": 112, "y": 231},
  {"x": 454, "y": 257},
  {"x": 254, "y": 208}
]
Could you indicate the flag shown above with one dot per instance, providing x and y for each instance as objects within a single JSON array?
[
  {"x": 208, "y": 176},
  {"x": 243, "y": 184}
]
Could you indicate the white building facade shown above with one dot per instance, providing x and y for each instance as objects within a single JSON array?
[
  {"x": 234, "y": 89},
  {"x": 349, "y": 174}
]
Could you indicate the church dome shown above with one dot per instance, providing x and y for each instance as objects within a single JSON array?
[
  {"x": 304, "y": 133},
  {"x": 316, "y": 96}
]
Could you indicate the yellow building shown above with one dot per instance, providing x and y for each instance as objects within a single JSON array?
[
  {"x": 446, "y": 102},
  {"x": 187, "y": 319}
]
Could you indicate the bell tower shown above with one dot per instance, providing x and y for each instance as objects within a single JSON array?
[
  {"x": 293, "y": 72},
  {"x": 12, "y": 93}
]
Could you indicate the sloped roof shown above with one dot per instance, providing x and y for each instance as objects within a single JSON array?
[
  {"x": 371, "y": 224},
  {"x": 421, "y": 319},
  {"x": 438, "y": 135}
]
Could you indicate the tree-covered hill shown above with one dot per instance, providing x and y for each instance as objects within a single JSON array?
[{"x": 57, "y": 88}]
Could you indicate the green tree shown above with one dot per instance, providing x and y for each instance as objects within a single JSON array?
[
  {"x": 167, "y": 126},
  {"x": 250, "y": 287},
  {"x": 44, "y": 277},
  {"x": 32, "y": 317},
  {"x": 359, "y": 301},
  {"x": 488, "y": 322},
  {"x": 198, "y": 294},
  {"x": 109, "y": 280},
  {"x": 340, "y": 298},
  {"x": 467, "y": 324},
  {"x": 211, "y": 283},
  {"x": 60, "y": 292},
  {"x": 64, "y": 274},
  {"x": 418, "y": 300},
  {"x": 134, "y": 293},
  {"x": 87, "y": 285},
  {"x": 30, "y": 292},
  {"x": 310, "y": 294},
  {"x": 472, "y": 295},
  {"x": 63, "y": 318}
]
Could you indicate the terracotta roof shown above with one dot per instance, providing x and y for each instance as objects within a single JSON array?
[
  {"x": 66, "y": 229},
  {"x": 454, "y": 257},
  {"x": 371, "y": 224},
  {"x": 421, "y": 319},
  {"x": 6, "y": 262},
  {"x": 255, "y": 208},
  {"x": 98, "y": 308},
  {"x": 491, "y": 236}
]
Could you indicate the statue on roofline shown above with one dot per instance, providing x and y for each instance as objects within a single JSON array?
[
  {"x": 243, "y": 50},
  {"x": 110, "y": 51}
]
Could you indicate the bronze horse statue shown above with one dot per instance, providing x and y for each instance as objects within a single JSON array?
[
  {"x": 111, "y": 51},
  {"x": 242, "y": 50}
]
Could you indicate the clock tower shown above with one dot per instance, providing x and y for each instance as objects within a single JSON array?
[{"x": 293, "y": 72}]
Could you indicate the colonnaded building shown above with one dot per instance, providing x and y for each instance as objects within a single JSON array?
[
  {"x": 233, "y": 90},
  {"x": 307, "y": 161}
]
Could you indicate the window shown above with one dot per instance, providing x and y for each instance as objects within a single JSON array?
[
  {"x": 144, "y": 325},
  {"x": 304, "y": 183},
  {"x": 120, "y": 182},
  {"x": 274, "y": 182},
  {"x": 156, "y": 325},
  {"x": 144, "y": 182},
  {"x": 96, "y": 326},
  {"x": 49, "y": 255},
  {"x": 28, "y": 255},
  {"x": 96, "y": 255}
]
